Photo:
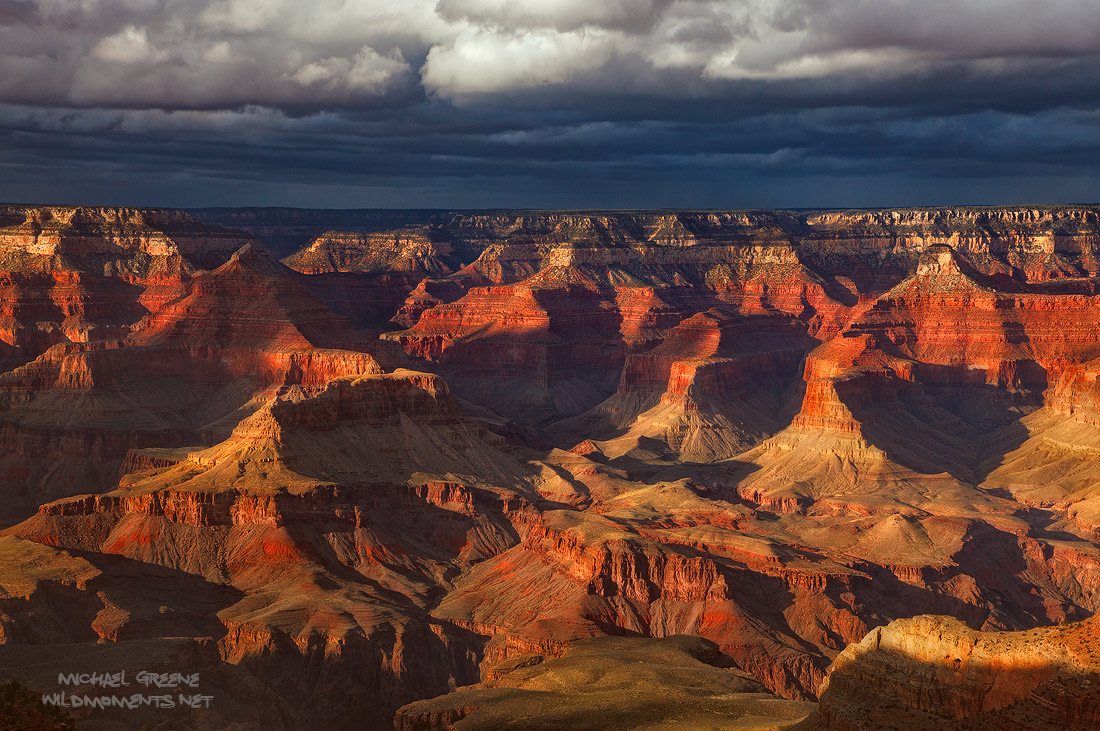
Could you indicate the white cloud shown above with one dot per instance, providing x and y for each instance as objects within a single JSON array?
[
  {"x": 753, "y": 62},
  {"x": 241, "y": 16},
  {"x": 487, "y": 61},
  {"x": 220, "y": 52},
  {"x": 130, "y": 45},
  {"x": 368, "y": 72},
  {"x": 329, "y": 53}
]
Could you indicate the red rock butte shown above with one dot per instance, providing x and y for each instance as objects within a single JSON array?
[{"x": 831, "y": 469}]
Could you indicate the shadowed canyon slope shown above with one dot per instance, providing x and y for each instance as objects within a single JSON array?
[{"x": 426, "y": 448}]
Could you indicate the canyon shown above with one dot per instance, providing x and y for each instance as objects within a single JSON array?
[{"x": 435, "y": 470}]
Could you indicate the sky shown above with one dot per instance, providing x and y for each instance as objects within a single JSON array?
[{"x": 550, "y": 103}]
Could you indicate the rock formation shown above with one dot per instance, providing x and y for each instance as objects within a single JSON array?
[{"x": 935, "y": 672}]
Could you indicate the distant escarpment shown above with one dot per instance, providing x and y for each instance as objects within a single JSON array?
[
  {"x": 865, "y": 250},
  {"x": 641, "y": 273}
]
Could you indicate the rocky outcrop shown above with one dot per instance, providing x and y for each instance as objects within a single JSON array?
[
  {"x": 112, "y": 241},
  {"x": 551, "y": 335},
  {"x": 410, "y": 250},
  {"x": 935, "y": 672},
  {"x": 74, "y": 275},
  {"x": 715, "y": 340},
  {"x": 710, "y": 390}
]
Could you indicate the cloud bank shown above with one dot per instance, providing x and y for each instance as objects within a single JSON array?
[{"x": 549, "y": 102}]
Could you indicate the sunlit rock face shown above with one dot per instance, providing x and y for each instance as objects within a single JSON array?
[
  {"x": 82, "y": 274},
  {"x": 677, "y": 682},
  {"x": 422, "y": 450},
  {"x": 935, "y": 672}
]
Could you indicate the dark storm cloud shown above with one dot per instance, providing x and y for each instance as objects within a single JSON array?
[{"x": 548, "y": 103}]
